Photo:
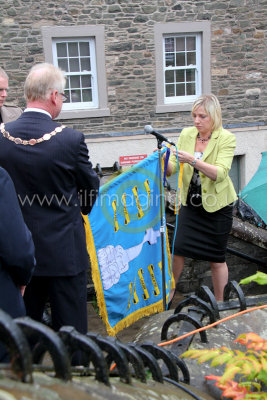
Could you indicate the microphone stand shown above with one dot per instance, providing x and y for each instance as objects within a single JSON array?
[{"x": 162, "y": 230}]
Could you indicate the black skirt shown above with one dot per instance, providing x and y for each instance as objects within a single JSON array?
[{"x": 202, "y": 235}]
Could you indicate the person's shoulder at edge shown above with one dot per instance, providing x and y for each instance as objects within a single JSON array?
[
  {"x": 10, "y": 112},
  {"x": 189, "y": 129},
  {"x": 225, "y": 134},
  {"x": 223, "y": 131},
  {"x": 72, "y": 134},
  {"x": 68, "y": 128},
  {"x": 187, "y": 132},
  {"x": 10, "y": 105},
  {"x": 19, "y": 250}
]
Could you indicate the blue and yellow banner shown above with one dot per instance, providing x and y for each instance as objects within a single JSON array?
[{"x": 124, "y": 241}]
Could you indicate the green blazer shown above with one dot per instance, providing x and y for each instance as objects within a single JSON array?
[{"x": 220, "y": 152}]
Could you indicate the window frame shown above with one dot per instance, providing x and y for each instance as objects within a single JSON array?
[
  {"x": 97, "y": 33},
  {"x": 181, "y": 28},
  {"x": 92, "y": 73},
  {"x": 197, "y": 69}
]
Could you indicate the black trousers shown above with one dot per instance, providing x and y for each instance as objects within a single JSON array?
[
  {"x": 68, "y": 301},
  {"x": 67, "y": 297}
]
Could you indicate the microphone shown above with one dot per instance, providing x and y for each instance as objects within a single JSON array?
[{"x": 149, "y": 129}]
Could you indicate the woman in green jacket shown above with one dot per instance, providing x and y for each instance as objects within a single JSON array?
[{"x": 207, "y": 192}]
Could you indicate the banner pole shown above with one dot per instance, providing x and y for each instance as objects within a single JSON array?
[{"x": 162, "y": 230}]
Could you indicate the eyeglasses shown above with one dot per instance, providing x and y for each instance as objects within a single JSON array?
[{"x": 64, "y": 97}]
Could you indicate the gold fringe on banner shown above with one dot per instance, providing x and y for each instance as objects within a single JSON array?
[
  {"x": 135, "y": 316},
  {"x": 95, "y": 272}
]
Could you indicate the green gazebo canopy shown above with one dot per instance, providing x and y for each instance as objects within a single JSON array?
[{"x": 255, "y": 193}]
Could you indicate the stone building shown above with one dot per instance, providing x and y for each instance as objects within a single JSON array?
[{"x": 135, "y": 62}]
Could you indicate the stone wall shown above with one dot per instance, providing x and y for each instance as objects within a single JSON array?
[{"x": 238, "y": 53}]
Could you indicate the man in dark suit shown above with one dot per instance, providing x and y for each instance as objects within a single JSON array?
[
  {"x": 16, "y": 252},
  {"x": 55, "y": 181}
]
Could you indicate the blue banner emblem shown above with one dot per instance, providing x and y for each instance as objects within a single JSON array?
[{"x": 124, "y": 241}]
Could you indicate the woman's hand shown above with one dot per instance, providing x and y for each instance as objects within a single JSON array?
[
  {"x": 207, "y": 169},
  {"x": 184, "y": 157}
]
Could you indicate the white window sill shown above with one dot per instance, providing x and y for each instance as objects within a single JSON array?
[
  {"x": 92, "y": 113},
  {"x": 164, "y": 108}
]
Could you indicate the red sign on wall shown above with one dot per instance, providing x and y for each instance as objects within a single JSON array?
[{"x": 130, "y": 160}]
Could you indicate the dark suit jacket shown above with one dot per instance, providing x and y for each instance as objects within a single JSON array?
[
  {"x": 51, "y": 179},
  {"x": 16, "y": 249}
]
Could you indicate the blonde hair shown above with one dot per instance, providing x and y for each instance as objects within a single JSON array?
[
  {"x": 212, "y": 107},
  {"x": 3, "y": 74},
  {"x": 41, "y": 80}
]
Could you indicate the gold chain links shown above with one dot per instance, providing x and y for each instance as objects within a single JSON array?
[{"x": 31, "y": 142}]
